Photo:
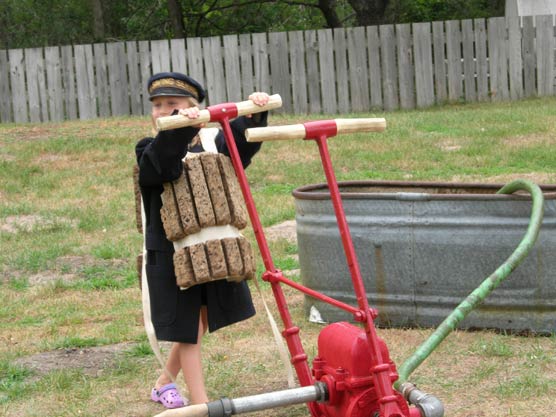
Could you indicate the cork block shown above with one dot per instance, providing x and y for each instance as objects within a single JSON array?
[
  {"x": 233, "y": 192},
  {"x": 186, "y": 207},
  {"x": 201, "y": 196},
  {"x": 183, "y": 268},
  {"x": 169, "y": 214},
  {"x": 216, "y": 188},
  {"x": 233, "y": 259},
  {"x": 216, "y": 259},
  {"x": 137, "y": 192},
  {"x": 200, "y": 262},
  {"x": 248, "y": 257}
]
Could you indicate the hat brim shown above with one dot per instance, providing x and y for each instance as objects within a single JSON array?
[{"x": 170, "y": 91}]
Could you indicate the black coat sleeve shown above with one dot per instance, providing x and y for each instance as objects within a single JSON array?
[
  {"x": 160, "y": 158},
  {"x": 245, "y": 149}
]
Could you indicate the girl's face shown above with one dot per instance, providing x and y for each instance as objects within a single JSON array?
[{"x": 165, "y": 105}]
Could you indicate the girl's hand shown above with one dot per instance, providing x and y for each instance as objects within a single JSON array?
[
  {"x": 190, "y": 112},
  {"x": 259, "y": 98}
]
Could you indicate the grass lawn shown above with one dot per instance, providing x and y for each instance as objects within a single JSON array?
[{"x": 72, "y": 341}]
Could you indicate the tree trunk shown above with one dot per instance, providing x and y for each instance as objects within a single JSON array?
[
  {"x": 98, "y": 20},
  {"x": 329, "y": 13},
  {"x": 176, "y": 18},
  {"x": 369, "y": 12}
]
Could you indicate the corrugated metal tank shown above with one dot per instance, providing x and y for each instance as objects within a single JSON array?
[{"x": 423, "y": 247}]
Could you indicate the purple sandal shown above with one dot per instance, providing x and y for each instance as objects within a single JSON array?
[{"x": 168, "y": 396}]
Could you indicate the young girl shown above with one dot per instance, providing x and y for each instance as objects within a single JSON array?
[{"x": 183, "y": 316}]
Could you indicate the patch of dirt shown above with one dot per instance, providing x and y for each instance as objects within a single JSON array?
[
  {"x": 285, "y": 230},
  {"x": 45, "y": 277},
  {"x": 75, "y": 264},
  {"x": 32, "y": 222},
  {"x": 92, "y": 361},
  {"x": 65, "y": 268},
  {"x": 449, "y": 145}
]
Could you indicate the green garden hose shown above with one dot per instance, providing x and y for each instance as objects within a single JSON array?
[{"x": 487, "y": 286}]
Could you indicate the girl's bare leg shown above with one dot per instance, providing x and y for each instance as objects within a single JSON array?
[
  {"x": 172, "y": 365},
  {"x": 191, "y": 365}
]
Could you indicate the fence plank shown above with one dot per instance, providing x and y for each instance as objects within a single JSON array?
[
  {"x": 84, "y": 76},
  {"x": 357, "y": 69},
  {"x": 17, "y": 77},
  {"x": 54, "y": 82},
  {"x": 260, "y": 62},
  {"x": 340, "y": 60},
  {"x": 514, "y": 58},
  {"x": 101, "y": 80},
  {"x": 5, "y": 94},
  {"x": 498, "y": 65},
  {"x": 195, "y": 60},
  {"x": 299, "y": 79},
  {"x": 134, "y": 78},
  {"x": 177, "y": 55},
  {"x": 146, "y": 72},
  {"x": 160, "y": 52},
  {"x": 375, "y": 79},
  {"x": 468, "y": 49},
  {"x": 68, "y": 79},
  {"x": 424, "y": 84},
  {"x": 482, "y": 61},
  {"x": 36, "y": 92},
  {"x": 214, "y": 67},
  {"x": 529, "y": 57},
  {"x": 232, "y": 69},
  {"x": 439, "y": 57},
  {"x": 117, "y": 78},
  {"x": 327, "y": 74},
  {"x": 545, "y": 55},
  {"x": 389, "y": 66},
  {"x": 453, "y": 55},
  {"x": 405, "y": 66},
  {"x": 279, "y": 66},
  {"x": 246, "y": 64},
  {"x": 313, "y": 84}
]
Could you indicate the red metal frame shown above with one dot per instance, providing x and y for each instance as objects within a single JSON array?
[{"x": 381, "y": 369}]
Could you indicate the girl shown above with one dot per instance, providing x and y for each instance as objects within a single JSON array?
[{"x": 183, "y": 316}]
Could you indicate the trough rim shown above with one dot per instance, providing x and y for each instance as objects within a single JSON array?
[{"x": 487, "y": 191}]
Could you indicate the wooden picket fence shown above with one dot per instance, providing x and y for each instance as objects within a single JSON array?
[{"x": 330, "y": 71}]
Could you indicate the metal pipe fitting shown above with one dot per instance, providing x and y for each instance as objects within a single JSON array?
[
  {"x": 428, "y": 405},
  {"x": 226, "y": 407}
]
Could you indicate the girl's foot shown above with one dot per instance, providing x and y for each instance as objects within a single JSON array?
[{"x": 168, "y": 396}]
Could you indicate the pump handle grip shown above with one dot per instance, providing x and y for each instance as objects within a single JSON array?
[
  {"x": 194, "y": 410},
  {"x": 298, "y": 131},
  {"x": 243, "y": 108}
]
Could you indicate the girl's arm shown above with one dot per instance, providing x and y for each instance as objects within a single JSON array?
[
  {"x": 246, "y": 149},
  {"x": 160, "y": 158}
]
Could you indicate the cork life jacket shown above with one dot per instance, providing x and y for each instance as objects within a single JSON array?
[{"x": 202, "y": 214}]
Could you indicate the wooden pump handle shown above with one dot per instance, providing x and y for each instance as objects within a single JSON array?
[
  {"x": 299, "y": 131},
  {"x": 243, "y": 108},
  {"x": 194, "y": 410}
]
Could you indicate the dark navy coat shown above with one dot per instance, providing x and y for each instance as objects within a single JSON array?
[{"x": 175, "y": 312}]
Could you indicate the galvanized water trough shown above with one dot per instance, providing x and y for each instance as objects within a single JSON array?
[{"x": 423, "y": 247}]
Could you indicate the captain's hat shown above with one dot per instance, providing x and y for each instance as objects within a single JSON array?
[{"x": 174, "y": 84}]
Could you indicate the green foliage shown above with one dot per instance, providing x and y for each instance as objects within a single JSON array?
[
  {"x": 36, "y": 23},
  {"x": 406, "y": 11}
]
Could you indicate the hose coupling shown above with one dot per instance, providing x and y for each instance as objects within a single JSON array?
[{"x": 429, "y": 405}]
